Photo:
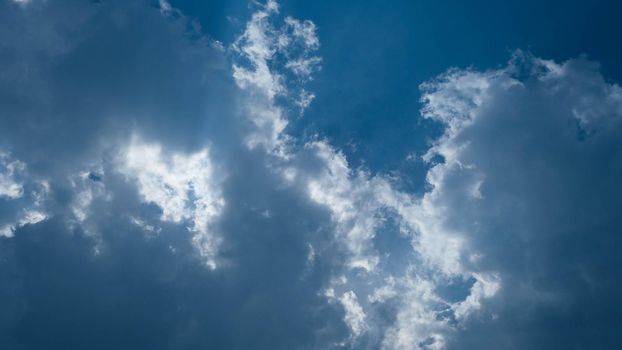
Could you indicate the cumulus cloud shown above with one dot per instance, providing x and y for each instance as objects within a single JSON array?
[
  {"x": 131, "y": 221},
  {"x": 539, "y": 140},
  {"x": 359, "y": 205},
  {"x": 161, "y": 158},
  {"x": 77, "y": 88}
]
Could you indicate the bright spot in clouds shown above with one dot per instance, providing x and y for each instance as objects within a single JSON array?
[{"x": 183, "y": 186}]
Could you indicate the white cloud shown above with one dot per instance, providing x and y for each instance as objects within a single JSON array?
[
  {"x": 355, "y": 316},
  {"x": 493, "y": 172},
  {"x": 258, "y": 44},
  {"x": 9, "y": 169},
  {"x": 184, "y": 186},
  {"x": 485, "y": 286},
  {"x": 529, "y": 157},
  {"x": 304, "y": 31},
  {"x": 521, "y": 162},
  {"x": 24, "y": 196},
  {"x": 28, "y": 216},
  {"x": 418, "y": 325},
  {"x": 272, "y": 6},
  {"x": 258, "y": 70},
  {"x": 303, "y": 67},
  {"x": 305, "y": 98},
  {"x": 86, "y": 190},
  {"x": 358, "y": 202},
  {"x": 187, "y": 189},
  {"x": 298, "y": 42},
  {"x": 351, "y": 201}
]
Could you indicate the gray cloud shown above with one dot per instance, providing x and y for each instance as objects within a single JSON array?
[
  {"x": 71, "y": 88},
  {"x": 530, "y": 180},
  {"x": 108, "y": 268},
  {"x": 155, "y": 199}
]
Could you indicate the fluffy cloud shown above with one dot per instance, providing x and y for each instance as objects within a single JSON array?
[
  {"x": 162, "y": 158},
  {"x": 265, "y": 51},
  {"x": 528, "y": 177},
  {"x": 183, "y": 186},
  {"x": 21, "y": 197},
  {"x": 9, "y": 186},
  {"x": 359, "y": 205},
  {"x": 303, "y": 201},
  {"x": 130, "y": 222},
  {"x": 83, "y": 87}
]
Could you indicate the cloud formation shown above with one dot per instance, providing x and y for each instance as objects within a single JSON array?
[
  {"x": 151, "y": 184},
  {"x": 171, "y": 208},
  {"x": 531, "y": 158}
]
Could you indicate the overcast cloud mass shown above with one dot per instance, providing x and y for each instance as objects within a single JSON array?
[{"x": 183, "y": 176}]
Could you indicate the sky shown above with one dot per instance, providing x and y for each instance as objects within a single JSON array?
[{"x": 390, "y": 175}]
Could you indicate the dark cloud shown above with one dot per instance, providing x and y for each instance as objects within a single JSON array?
[
  {"x": 118, "y": 276},
  {"x": 124, "y": 287},
  {"x": 72, "y": 87}
]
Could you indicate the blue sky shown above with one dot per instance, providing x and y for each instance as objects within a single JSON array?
[
  {"x": 380, "y": 51},
  {"x": 310, "y": 175}
]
